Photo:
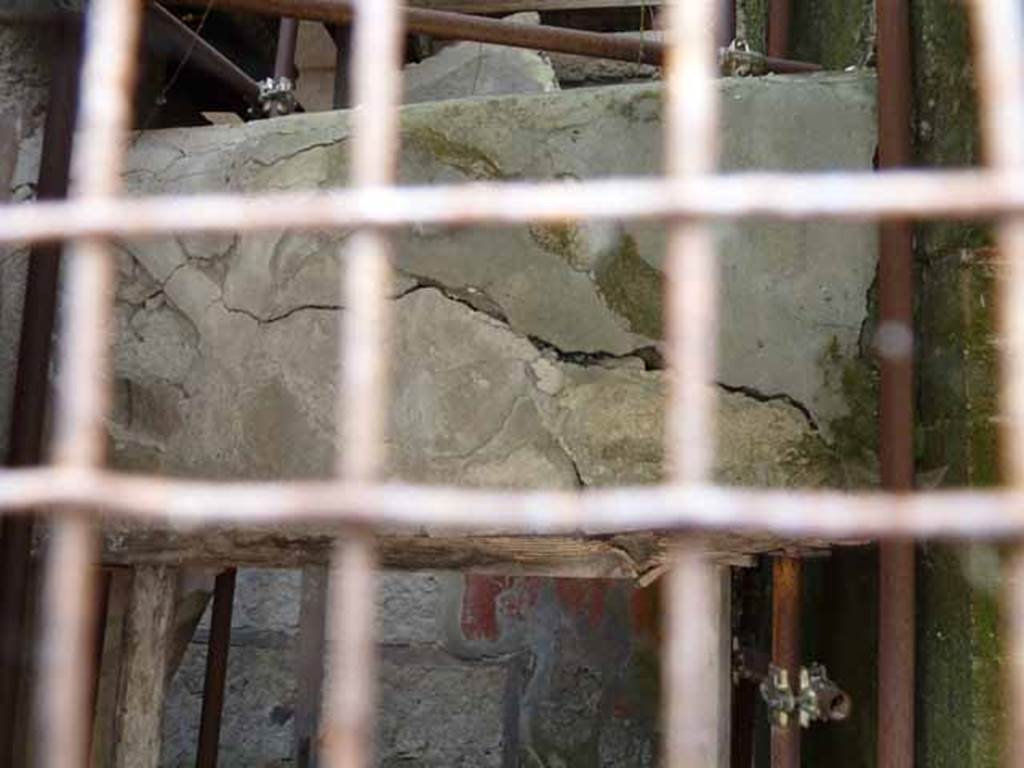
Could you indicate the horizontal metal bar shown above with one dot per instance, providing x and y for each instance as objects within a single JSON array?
[
  {"x": 792, "y": 513},
  {"x": 842, "y": 196},
  {"x": 446, "y": 25}
]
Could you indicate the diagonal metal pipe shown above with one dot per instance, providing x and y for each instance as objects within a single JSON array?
[{"x": 201, "y": 54}]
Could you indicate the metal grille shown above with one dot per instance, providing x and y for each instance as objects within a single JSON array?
[{"x": 80, "y": 492}]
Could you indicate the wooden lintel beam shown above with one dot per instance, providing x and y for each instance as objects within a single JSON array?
[{"x": 632, "y": 556}]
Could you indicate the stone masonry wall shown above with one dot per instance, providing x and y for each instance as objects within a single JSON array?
[{"x": 524, "y": 356}]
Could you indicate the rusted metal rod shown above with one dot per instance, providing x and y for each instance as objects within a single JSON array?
[
  {"x": 216, "y": 669},
  {"x": 201, "y": 54},
  {"x": 786, "y": 579},
  {"x": 460, "y": 26},
  {"x": 284, "y": 56},
  {"x": 726, "y": 22},
  {"x": 31, "y": 387},
  {"x": 780, "y": 14},
  {"x": 896, "y": 642}
]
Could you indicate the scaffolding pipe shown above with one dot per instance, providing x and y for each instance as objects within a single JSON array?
[
  {"x": 786, "y": 578},
  {"x": 201, "y": 54},
  {"x": 284, "y": 57},
  {"x": 726, "y": 22},
  {"x": 445, "y": 25},
  {"x": 780, "y": 14},
  {"x": 896, "y": 418},
  {"x": 216, "y": 669},
  {"x": 31, "y": 386}
]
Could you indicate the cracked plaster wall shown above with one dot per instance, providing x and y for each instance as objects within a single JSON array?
[{"x": 522, "y": 356}]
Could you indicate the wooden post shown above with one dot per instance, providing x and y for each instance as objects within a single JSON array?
[
  {"x": 109, "y": 669},
  {"x": 143, "y": 667},
  {"x": 310, "y": 664}
]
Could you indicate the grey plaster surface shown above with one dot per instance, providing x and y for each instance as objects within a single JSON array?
[{"x": 790, "y": 292}]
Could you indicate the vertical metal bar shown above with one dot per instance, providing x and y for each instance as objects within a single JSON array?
[
  {"x": 896, "y": 642},
  {"x": 376, "y": 83},
  {"x": 1000, "y": 68},
  {"x": 108, "y": 75},
  {"x": 216, "y": 669},
  {"x": 691, "y": 676},
  {"x": 107, "y": 80},
  {"x": 348, "y": 737},
  {"x": 780, "y": 14},
  {"x": 691, "y": 700},
  {"x": 786, "y": 578},
  {"x": 284, "y": 56},
  {"x": 726, "y": 22},
  {"x": 896, "y": 654},
  {"x": 342, "y": 36},
  {"x": 31, "y": 387},
  {"x": 692, "y": 328},
  {"x": 64, "y": 690}
]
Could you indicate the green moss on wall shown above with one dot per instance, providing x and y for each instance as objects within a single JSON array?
[
  {"x": 834, "y": 33},
  {"x": 855, "y": 433},
  {"x": 471, "y": 161},
  {"x": 960, "y": 711},
  {"x": 751, "y": 23},
  {"x": 630, "y": 286},
  {"x": 633, "y": 288},
  {"x": 945, "y": 110},
  {"x": 959, "y": 704}
]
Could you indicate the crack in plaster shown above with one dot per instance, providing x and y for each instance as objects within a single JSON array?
[
  {"x": 262, "y": 320},
  {"x": 763, "y": 397},
  {"x": 301, "y": 151}
]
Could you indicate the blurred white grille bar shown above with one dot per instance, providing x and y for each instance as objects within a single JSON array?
[{"x": 108, "y": 78}]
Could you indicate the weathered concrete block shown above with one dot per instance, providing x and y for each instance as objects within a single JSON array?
[
  {"x": 790, "y": 292},
  {"x": 465, "y": 70}
]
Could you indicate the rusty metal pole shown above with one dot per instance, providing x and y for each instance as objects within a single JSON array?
[
  {"x": 896, "y": 417},
  {"x": 786, "y": 571},
  {"x": 786, "y": 578},
  {"x": 342, "y": 36},
  {"x": 200, "y": 53},
  {"x": 31, "y": 388},
  {"x": 284, "y": 57},
  {"x": 216, "y": 669},
  {"x": 780, "y": 13},
  {"x": 726, "y": 22},
  {"x": 460, "y": 26}
]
